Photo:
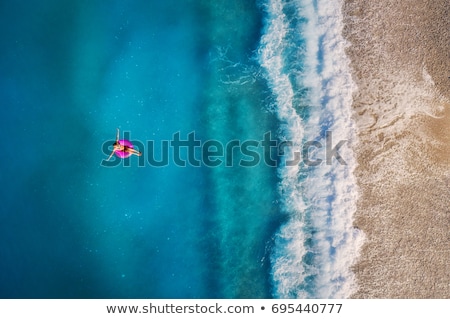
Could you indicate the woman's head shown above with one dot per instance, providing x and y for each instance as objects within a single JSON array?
[{"x": 117, "y": 146}]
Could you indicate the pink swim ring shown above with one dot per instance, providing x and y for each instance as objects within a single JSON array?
[{"x": 123, "y": 154}]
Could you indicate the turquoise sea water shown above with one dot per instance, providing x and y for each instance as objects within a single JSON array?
[{"x": 73, "y": 72}]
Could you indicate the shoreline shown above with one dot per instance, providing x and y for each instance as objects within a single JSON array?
[{"x": 400, "y": 59}]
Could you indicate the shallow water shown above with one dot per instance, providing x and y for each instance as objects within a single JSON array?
[{"x": 73, "y": 228}]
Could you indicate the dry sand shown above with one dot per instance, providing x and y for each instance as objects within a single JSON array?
[{"x": 400, "y": 57}]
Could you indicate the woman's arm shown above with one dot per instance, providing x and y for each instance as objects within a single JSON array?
[{"x": 112, "y": 153}]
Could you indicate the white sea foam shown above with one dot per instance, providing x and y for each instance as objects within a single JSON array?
[
  {"x": 288, "y": 268},
  {"x": 320, "y": 206}
]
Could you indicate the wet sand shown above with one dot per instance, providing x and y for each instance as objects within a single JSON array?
[{"x": 400, "y": 57}]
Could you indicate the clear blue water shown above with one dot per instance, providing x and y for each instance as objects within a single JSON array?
[{"x": 73, "y": 72}]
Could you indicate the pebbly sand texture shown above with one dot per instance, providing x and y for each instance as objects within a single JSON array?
[{"x": 400, "y": 57}]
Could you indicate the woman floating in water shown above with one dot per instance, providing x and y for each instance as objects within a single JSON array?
[{"x": 123, "y": 148}]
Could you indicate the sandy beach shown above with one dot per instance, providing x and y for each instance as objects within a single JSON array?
[{"x": 400, "y": 57}]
